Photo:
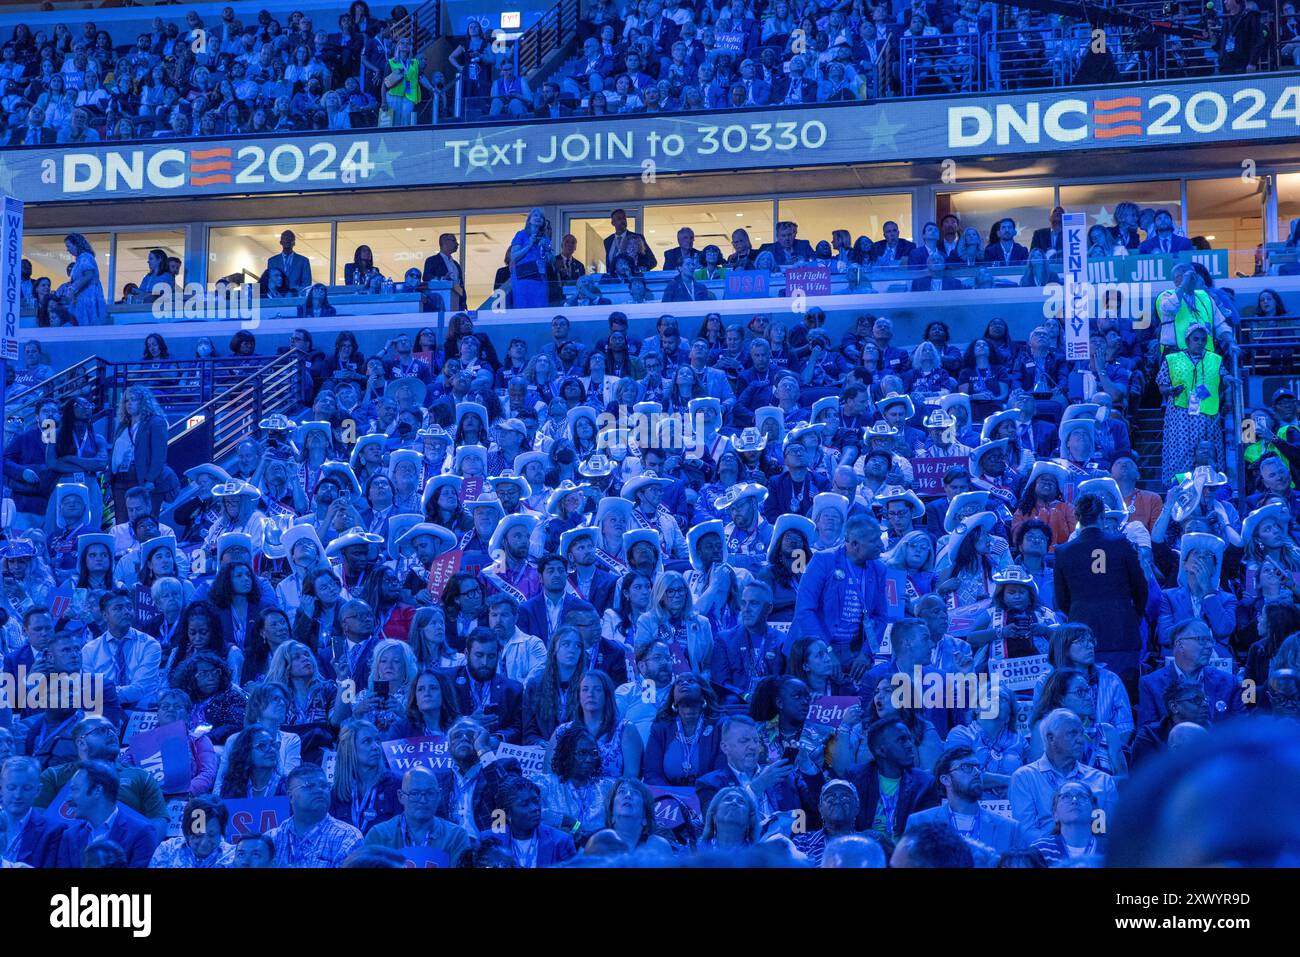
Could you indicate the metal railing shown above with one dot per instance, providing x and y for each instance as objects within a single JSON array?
[
  {"x": 943, "y": 63},
  {"x": 423, "y": 25},
  {"x": 85, "y": 379},
  {"x": 211, "y": 431},
  {"x": 557, "y": 27}
]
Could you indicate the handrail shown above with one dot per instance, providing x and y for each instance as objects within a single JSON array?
[
  {"x": 556, "y": 28},
  {"x": 234, "y": 414},
  {"x": 66, "y": 383}
]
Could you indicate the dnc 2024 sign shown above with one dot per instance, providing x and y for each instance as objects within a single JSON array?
[{"x": 1188, "y": 113}]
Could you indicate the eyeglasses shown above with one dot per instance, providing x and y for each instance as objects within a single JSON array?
[
  {"x": 1076, "y": 797},
  {"x": 1090, "y": 641},
  {"x": 420, "y": 795},
  {"x": 1199, "y": 639},
  {"x": 967, "y": 767}
]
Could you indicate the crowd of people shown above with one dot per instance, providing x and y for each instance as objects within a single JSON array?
[
  {"x": 650, "y": 596},
  {"x": 260, "y": 74}
]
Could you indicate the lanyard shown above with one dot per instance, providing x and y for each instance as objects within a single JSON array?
[{"x": 689, "y": 745}]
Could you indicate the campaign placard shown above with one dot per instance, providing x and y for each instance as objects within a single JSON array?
[
  {"x": 747, "y": 284},
  {"x": 440, "y": 572},
  {"x": 1000, "y": 807},
  {"x": 928, "y": 470},
  {"x": 532, "y": 758},
  {"x": 403, "y": 754},
  {"x": 1020, "y": 674},
  {"x": 809, "y": 280},
  {"x": 426, "y": 857},
  {"x": 830, "y": 709},
  {"x": 164, "y": 752},
  {"x": 669, "y": 802},
  {"x": 137, "y": 723},
  {"x": 255, "y": 815}
]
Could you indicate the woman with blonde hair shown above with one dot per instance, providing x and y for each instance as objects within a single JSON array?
[
  {"x": 392, "y": 670},
  {"x": 731, "y": 820},
  {"x": 313, "y": 698},
  {"x": 365, "y": 791},
  {"x": 672, "y": 620},
  {"x": 914, "y": 556},
  {"x": 139, "y": 456}
]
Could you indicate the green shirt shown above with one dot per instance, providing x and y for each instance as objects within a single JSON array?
[{"x": 138, "y": 791}]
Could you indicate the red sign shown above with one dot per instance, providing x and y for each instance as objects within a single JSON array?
[
  {"x": 830, "y": 709},
  {"x": 927, "y": 472},
  {"x": 809, "y": 280},
  {"x": 443, "y": 567}
]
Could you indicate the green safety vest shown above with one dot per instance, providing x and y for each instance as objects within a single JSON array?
[
  {"x": 1184, "y": 372},
  {"x": 410, "y": 88},
  {"x": 1201, "y": 315}
]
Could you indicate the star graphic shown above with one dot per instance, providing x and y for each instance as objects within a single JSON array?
[
  {"x": 479, "y": 146},
  {"x": 883, "y": 132},
  {"x": 7, "y": 177},
  {"x": 383, "y": 159},
  {"x": 1104, "y": 218}
]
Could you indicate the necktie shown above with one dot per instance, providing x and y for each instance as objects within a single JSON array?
[
  {"x": 119, "y": 660},
  {"x": 1165, "y": 244}
]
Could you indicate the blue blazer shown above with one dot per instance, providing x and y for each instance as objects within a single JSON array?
[
  {"x": 532, "y": 615},
  {"x": 1220, "y": 690},
  {"x": 1177, "y": 244},
  {"x": 998, "y": 832},
  {"x": 793, "y": 792},
  {"x": 131, "y": 832},
  {"x": 298, "y": 274},
  {"x": 39, "y": 842},
  {"x": 821, "y": 596},
  {"x": 1218, "y": 610},
  {"x": 553, "y": 846}
]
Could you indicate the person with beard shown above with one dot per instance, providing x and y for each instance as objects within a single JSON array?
[
  {"x": 540, "y": 615},
  {"x": 511, "y": 574},
  {"x": 748, "y": 534},
  {"x": 97, "y": 740},
  {"x": 469, "y": 786},
  {"x": 587, "y": 580},
  {"x": 890, "y": 787},
  {"x": 959, "y": 775},
  {"x": 513, "y": 491},
  {"x": 841, "y": 597},
  {"x": 483, "y": 693},
  {"x": 639, "y": 700}
]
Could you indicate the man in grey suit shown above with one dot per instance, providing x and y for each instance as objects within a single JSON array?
[
  {"x": 959, "y": 773},
  {"x": 295, "y": 266}
]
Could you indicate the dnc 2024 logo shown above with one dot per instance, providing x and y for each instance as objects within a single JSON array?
[
  {"x": 1125, "y": 119},
  {"x": 210, "y": 167}
]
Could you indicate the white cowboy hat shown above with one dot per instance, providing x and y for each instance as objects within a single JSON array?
[
  {"x": 303, "y": 532},
  {"x": 791, "y": 522},
  {"x": 527, "y": 522},
  {"x": 740, "y": 492},
  {"x": 236, "y": 488},
  {"x": 896, "y": 493},
  {"x": 984, "y": 520},
  {"x": 897, "y": 398},
  {"x": 151, "y": 546},
  {"x": 94, "y": 538},
  {"x": 231, "y": 540},
  {"x": 469, "y": 451},
  {"x": 1015, "y": 575},
  {"x": 1202, "y": 541},
  {"x": 984, "y": 448},
  {"x": 305, "y": 429},
  {"x": 832, "y": 500},
  {"x": 465, "y": 408},
  {"x": 712, "y": 527},
  {"x": 564, "y": 489},
  {"x": 952, "y": 399},
  {"x": 436, "y": 482},
  {"x": 996, "y": 419},
  {"x": 416, "y": 384},
  {"x": 524, "y": 459},
  {"x": 218, "y": 474},
  {"x": 1056, "y": 470},
  {"x": 572, "y": 535},
  {"x": 597, "y": 466},
  {"x": 644, "y": 480},
  {"x": 507, "y": 478},
  {"x": 354, "y": 536},
  {"x": 398, "y": 456},
  {"x": 959, "y": 502},
  {"x": 397, "y": 527},
  {"x": 444, "y": 537},
  {"x": 612, "y": 503},
  {"x": 749, "y": 440},
  {"x": 765, "y": 413},
  {"x": 1073, "y": 425},
  {"x": 633, "y": 536},
  {"x": 821, "y": 405},
  {"x": 1105, "y": 487},
  {"x": 1277, "y": 512},
  {"x": 372, "y": 438},
  {"x": 343, "y": 472}
]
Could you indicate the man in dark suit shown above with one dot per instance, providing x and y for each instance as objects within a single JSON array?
[
  {"x": 890, "y": 788},
  {"x": 796, "y": 87},
  {"x": 35, "y": 834},
  {"x": 621, "y": 243},
  {"x": 685, "y": 248},
  {"x": 752, "y": 650},
  {"x": 956, "y": 480},
  {"x": 601, "y": 654},
  {"x": 793, "y": 489},
  {"x": 586, "y": 577},
  {"x": 468, "y": 788},
  {"x": 569, "y": 268},
  {"x": 442, "y": 266},
  {"x": 538, "y": 613},
  {"x": 34, "y": 132},
  {"x": 1163, "y": 239},
  {"x": 1006, "y": 251},
  {"x": 789, "y": 250},
  {"x": 1048, "y": 239},
  {"x": 1099, "y": 582},
  {"x": 684, "y": 287},
  {"x": 891, "y": 251},
  {"x": 295, "y": 266},
  {"x": 491, "y": 697},
  {"x": 779, "y": 786},
  {"x": 93, "y": 795},
  {"x": 935, "y": 280},
  {"x": 356, "y": 623}
]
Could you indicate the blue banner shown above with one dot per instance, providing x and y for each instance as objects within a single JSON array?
[{"x": 1164, "y": 115}]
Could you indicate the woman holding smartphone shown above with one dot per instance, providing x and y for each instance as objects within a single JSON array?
[{"x": 530, "y": 251}]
